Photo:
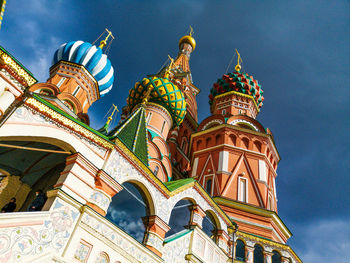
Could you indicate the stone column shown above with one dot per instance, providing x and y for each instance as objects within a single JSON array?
[
  {"x": 223, "y": 241},
  {"x": 155, "y": 232},
  {"x": 83, "y": 181},
  {"x": 268, "y": 256},
  {"x": 197, "y": 215},
  {"x": 249, "y": 250},
  {"x": 285, "y": 260},
  {"x": 105, "y": 188}
]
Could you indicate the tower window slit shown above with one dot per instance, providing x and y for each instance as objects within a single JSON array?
[
  {"x": 60, "y": 82},
  {"x": 163, "y": 126},
  {"x": 75, "y": 92}
]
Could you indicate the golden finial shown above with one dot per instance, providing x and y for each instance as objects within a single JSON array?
[
  {"x": 111, "y": 116},
  {"x": 148, "y": 93},
  {"x": 188, "y": 39},
  {"x": 167, "y": 72},
  {"x": 103, "y": 43},
  {"x": 239, "y": 61},
  {"x": 191, "y": 31}
]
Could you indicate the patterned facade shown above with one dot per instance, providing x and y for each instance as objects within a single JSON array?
[{"x": 224, "y": 166}]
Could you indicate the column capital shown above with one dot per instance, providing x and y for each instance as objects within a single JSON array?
[
  {"x": 197, "y": 215},
  {"x": 268, "y": 256},
  {"x": 224, "y": 241},
  {"x": 249, "y": 254},
  {"x": 156, "y": 229},
  {"x": 152, "y": 222},
  {"x": 285, "y": 259}
]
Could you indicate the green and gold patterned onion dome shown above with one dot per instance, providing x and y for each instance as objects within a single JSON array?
[
  {"x": 239, "y": 82},
  {"x": 164, "y": 93}
]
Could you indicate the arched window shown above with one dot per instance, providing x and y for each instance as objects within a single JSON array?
[
  {"x": 156, "y": 170},
  {"x": 127, "y": 209},
  {"x": 245, "y": 142},
  {"x": 258, "y": 254},
  {"x": 207, "y": 142},
  {"x": 209, "y": 226},
  {"x": 240, "y": 250},
  {"x": 180, "y": 217},
  {"x": 199, "y": 144},
  {"x": 217, "y": 139},
  {"x": 257, "y": 146},
  {"x": 276, "y": 257},
  {"x": 184, "y": 144},
  {"x": 208, "y": 186},
  {"x": 163, "y": 126},
  {"x": 233, "y": 139},
  {"x": 102, "y": 258}
]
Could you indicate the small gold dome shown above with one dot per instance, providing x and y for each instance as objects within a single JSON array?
[{"x": 188, "y": 39}]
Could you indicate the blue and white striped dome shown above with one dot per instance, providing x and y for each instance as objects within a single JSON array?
[{"x": 92, "y": 58}]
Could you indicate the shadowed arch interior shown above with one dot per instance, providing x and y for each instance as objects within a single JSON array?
[
  {"x": 129, "y": 206},
  {"x": 33, "y": 163},
  {"x": 180, "y": 217}
]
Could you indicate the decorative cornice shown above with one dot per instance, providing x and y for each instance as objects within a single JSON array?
[
  {"x": 255, "y": 210},
  {"x": 16, "y": 67},
  {"x": 56, "y": 116},
  {"x": 239, "y": 129},
  {"x": 271, "y": 243},
  {"x": 238, "y": 94}
]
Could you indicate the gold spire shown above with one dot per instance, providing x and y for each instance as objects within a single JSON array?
[
  {"x": 239, "y": 61},
  {"x": 167, "y": 72},
  {"x": 103, "y": 43},
  {"x": 111, "y": 116},
  {"x": 148, "y": 93}
]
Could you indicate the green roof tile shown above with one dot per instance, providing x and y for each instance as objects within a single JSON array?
[
  {"x": 132, "y": 132},
  {"x": 173, "y": 185}
]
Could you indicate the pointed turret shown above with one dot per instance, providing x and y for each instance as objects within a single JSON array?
[{"x": 132, "y": 132}]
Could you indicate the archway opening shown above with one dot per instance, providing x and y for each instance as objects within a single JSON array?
[
  {"x": 30, "y": 166},
  {"x": 276, "y": 257},
  {"x": 180, "y": 217},
  {"x": 258, "y": 254},
  {"x": 240, "y": 250},
  {"x": 209, "y": 226},
  {"x": 127, "y": 209}
]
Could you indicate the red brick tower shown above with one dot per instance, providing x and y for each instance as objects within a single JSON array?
[{"x": 235, "y": 158}]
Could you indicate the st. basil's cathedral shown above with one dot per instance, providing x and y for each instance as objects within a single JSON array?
[{"x": 223, "y": 168}]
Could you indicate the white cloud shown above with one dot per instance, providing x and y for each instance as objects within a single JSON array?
[
  {"x": 324, "y": 241},
  {"x": 27, "y": 30},
  {"x": 129, "y": 224}
]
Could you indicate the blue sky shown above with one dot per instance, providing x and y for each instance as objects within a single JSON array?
[{"x": 297, "y": 50}]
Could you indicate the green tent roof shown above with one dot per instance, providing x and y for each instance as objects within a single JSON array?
[{"x": 132, "y": 132}]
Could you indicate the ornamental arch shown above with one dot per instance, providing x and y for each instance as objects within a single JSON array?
[
  {"x": 36, "y": 164},
  {"x": 180, "y": 216},
  {"x": 129, "y": 207}
]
